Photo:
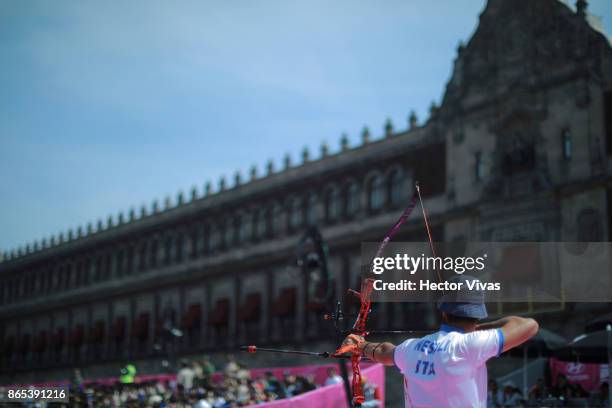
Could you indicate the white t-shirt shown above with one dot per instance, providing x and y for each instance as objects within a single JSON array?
[{"x": 447, "y": 368}]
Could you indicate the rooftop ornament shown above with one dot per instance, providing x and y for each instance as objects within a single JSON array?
[
  {"x": 388, "y": 128},
  {"x": 253, "y": 172},
  {"x": 324, "y": 149},
  {"x": 344, "y": 142},
  {"x": 433, "y": 109},
  {"x": 365, "y": 135},
  {"x": 237, "y": 178},
  {"x": 222, "y": 183},
  {"x": 412, "y": 120},
  {"x": 305, "y": 155},
  {"x": 270, "y": 167},
  {"x": 194, "y": 193},
  {"x": 287, "y": 161},
  {"x": 207, "y": 189},
  {"x": 155, "y": 207},
  {"x": 581, "y": 7}
]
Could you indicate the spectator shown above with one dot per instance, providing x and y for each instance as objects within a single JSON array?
[
  {"x": 290, "y": 384},
  {"x": 512, "y": 395},
  {"x": 127, "y": 374},
  {"x": 185, "y": 376},
  {"x": 371, "y": 394},
  {"x": 207, "y": 366},
  {"x": 495, "y": 396},
  {"x": 77, "y": 377},
  {"x": 538, "y": 392},
  {"x": 332, "y": 377},
  {"x": 273, "y": 386},
  {"x": 231, "y": 367}
]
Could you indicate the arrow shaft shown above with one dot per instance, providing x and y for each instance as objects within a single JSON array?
[{"x": 254, "y": 349}]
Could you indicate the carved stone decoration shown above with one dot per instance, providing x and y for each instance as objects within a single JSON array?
[
  {"x": 553, "y": 39},
  {"x": 519, "y": 167}
]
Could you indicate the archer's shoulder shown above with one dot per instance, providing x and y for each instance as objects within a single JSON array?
[{"x": 476, "y": 338}]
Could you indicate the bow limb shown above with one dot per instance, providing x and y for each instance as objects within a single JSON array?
[{"x": 359, "y": 328}]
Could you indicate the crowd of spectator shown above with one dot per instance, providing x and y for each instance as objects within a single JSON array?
[
  {"x": 196, "y": 387},
  {"x": 562, "y": 394}
]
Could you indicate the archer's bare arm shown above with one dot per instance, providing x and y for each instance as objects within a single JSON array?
[
  {"x": 377, "y": 352},
  {"x": 517, "y": 330}
]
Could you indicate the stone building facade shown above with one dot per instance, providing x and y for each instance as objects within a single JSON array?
[{"x": 519, "y": 149}]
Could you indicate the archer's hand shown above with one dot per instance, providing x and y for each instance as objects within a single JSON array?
[{"x": 352, "y": 344}]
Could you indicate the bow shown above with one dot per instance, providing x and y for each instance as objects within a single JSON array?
[
  {"x": 359, "y": 327},
  {"x": 364, "y": 295}
]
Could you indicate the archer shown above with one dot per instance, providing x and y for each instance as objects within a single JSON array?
[{"x": 448, "y": 368}]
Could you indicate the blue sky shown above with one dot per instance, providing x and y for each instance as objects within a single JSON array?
[{"x": 109, "y": 105}]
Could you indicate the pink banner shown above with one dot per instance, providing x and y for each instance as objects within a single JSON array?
[
  {"x": 331, "y": 396},
  {"x": 587, "y": 375}
]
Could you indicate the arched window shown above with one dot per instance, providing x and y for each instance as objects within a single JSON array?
[
  {"x": 120, "y": 262},
  {"x": 236, "y": 229},
  {"x": 276, "y": 219},
  {"x": 397, "y": 191},
  {"x": 153, "y": 253},
  {"x": 87, "y": 272},
  {"x": 178, "y": 252},
  {"x": 311, "y": 210},
  {"x": 566, "y": 144},
  {"x": 332, "y": 205},
  {"x": 168, "y": 250},
  {"x": 245, "y": 226},
  {"x": 205, "y": 238},
  {"x": 352, "y": 202},
  {"x": 213, "y": 237},
  {"x": 295, "y": 213},
  {"x": 142, "y": 256},
  {"x": 261, "y": 223},
  {"x": 227, "y": 233},
  {"x": 194, "y": 238},
  {"x": 130, "y": 262},
  {"x": 376, "y": 193},
  {"x": 108, "y": 261}
]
